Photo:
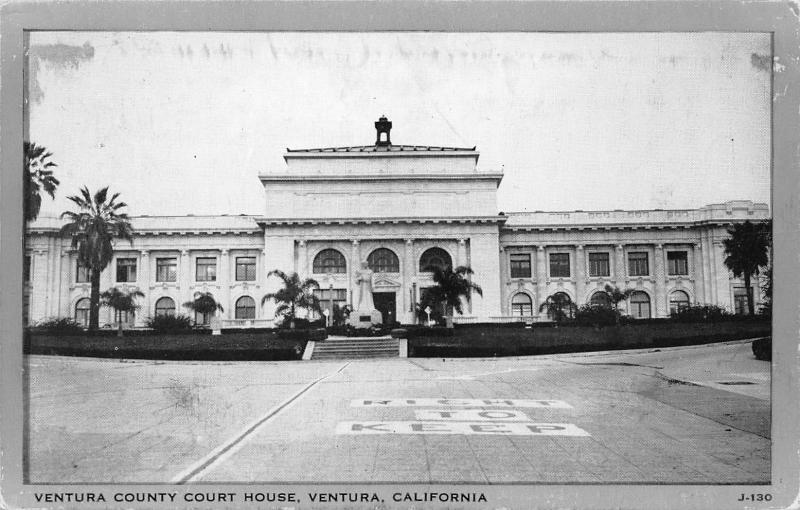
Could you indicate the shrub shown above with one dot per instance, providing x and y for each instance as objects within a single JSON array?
[
  {"x": 317, "y": 334},
  {"x": 597, "y": 316},
  {"x": 170, "y": 323},
  {"x": 60, "y": 326},
  {"x": 700, "y": 313},
  {"x": 301, "y": 323}
]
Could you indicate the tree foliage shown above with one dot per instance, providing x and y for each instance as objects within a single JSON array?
[
  {"x": 37, "y": 179},
  {"x": 559, "y": 307},
  {"x": 747, "y": 253},
  {"x": 121, "y": 302},
  {"x": 451, "y": 286},
  {"x": 294, "y": 295},
  {"x": 93, "y": 229}
]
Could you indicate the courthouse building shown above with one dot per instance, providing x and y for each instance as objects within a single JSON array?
[{"x": 402, "y": 209}]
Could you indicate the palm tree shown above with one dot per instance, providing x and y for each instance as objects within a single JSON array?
[
  {"x": 204, "y": 304},
  {"x": 559, "y": 306},
  {"x": 616, "y": 296},
  {"x": 295, "y": 294},
  {"x": 121, "y": 301},
  {"x": 38, "y": 177},
  {"x": 746, "y": 252},
  {"x": 451, "y": 286},
  {"x": 93, "y": 229}
]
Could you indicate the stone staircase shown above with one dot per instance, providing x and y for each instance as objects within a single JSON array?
[{"x": 342, "y": 347}]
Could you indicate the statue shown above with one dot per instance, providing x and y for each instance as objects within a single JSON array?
[{"x": 365, "y": 315}]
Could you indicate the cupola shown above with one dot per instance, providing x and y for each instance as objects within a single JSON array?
[{"x": 383, "y": 126}]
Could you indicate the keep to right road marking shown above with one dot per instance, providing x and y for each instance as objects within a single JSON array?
[
  {"x": 458, "y": 402},
  {"x": 460, "y": 428},
  {"x": 471, "y": 415}
]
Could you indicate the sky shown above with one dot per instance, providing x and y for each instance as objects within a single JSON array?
[{"x": 183, "y": 123}]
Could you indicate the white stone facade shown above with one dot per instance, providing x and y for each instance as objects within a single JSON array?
[{"x": 406, "y": 199}]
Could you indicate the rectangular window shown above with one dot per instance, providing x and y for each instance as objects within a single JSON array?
[
  {"x": 245, "y": 269},
  {"x": 559, "y": 265},
  {"x": 206, "y": 269},
  {"x": 126, "y": 270},
  {"x": 166, "y": 270},
  {"x": 637, "y": 264},
  {"x": 324, "y": 295},
  {"x": 740, "y": 300},
  {"x": 677, "y": 263},
  {"x": 26, "y": 269},
  {"x": 520, "y": 265},
  {"x": 598, "y": 264},
  {"x": 81, "y": 273}
]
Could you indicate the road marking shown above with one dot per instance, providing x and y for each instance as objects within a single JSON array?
[
  {"x": 459, "y": 402},
  {"x": 470, "y": 377},
  {"x": 219, "y": 454},
  {"x": 458, "y": 428},
  {"x": 470, "y": 415}
]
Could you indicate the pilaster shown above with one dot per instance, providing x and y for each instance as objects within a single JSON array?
[
  {"x": 619, "y": 266},
  {"x": 580, "y": 274},
  {"x": 38, "y": 304},
  {"x": 143, "y": 280},
  {"x": 409, "y": 283},
  {"x": 186, "y": 278},
  {"x": 660, "y": 275},
  {"x": 541, "y": 278},
  {"x": 302, "y": 259},
  {"x": 697, "y": 270},
  {"x": 225, "y": 283}
]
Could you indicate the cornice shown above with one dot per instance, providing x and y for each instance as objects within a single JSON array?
[{"x": 270, "y": 222}]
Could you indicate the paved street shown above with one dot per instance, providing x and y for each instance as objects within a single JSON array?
[{"x": 633, "y": 416}]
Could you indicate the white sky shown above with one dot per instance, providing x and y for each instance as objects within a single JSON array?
[{"x": 184, "y": 122}]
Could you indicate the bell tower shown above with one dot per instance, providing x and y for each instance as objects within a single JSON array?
[{"x": 383, "y": 126}]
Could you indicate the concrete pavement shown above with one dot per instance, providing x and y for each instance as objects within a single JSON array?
[{"x": 644, "y": 416}]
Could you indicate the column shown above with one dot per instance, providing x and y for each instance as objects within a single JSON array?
[
  {"x": 38, "y": 304},
  {"x": 697, "y": 273},
  {"x": 708, "y": 273},
  {"x": 505, "y": 275},
  {"x": 409, "y": 278},
  {"x": 541, "y": 278},
  {"x": 64, "y": 279},
  {"x": 225, "y": 283},
  {"x": 619, "y": 266},
  {"x": 302, "y": 259},
  {"x": 185, "y": 280},
  {"x": 580, "y": 274},
  {"x": 723, "y": 281},
  {"x": 461, "y": 260},
  {"x": 660, "y": 307},
  {"x": 355, "y": 265},
  {"x": 143, "y": 280},
  {"x": 261, "y": 284}
]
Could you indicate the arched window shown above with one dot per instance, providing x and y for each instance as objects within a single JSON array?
[
  {"x": 434, "y": 257},
  {"x": 383, "y": 260},
  {"x": 640, "y": 305},
  {"x": 563, "y": 307},
  {"x": 82, "y": 308},
  {"x": 678, "y": 300},
  {"x": 165, "y": 306},
  {"x": 521, "y": 305},
  {"x": 329, "y": 261},
  {"x": 600, "y": 299},
  {"x": 245, "y": 308}
]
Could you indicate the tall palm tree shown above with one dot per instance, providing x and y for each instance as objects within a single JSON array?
[
  {"x": 93, "y": 229},
  {"x": 38, "y": 178},
  {"x": 746, "y": 252},
  {"x": 204, "y": 304},
  {"x": 451, "y": 286},
  {"x": 120, "y": 301},
  {"x": 559, "y": 306},
  {"x": 295, "y": 294}
]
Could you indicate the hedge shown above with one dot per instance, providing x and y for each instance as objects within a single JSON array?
[
  {"x": 493, "y": 341},
  {"x": 235, "y": 346}
]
